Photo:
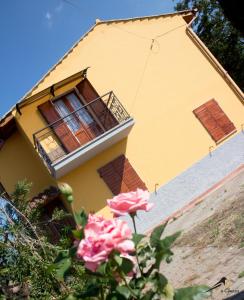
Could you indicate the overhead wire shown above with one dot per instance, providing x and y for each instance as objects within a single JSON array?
[
  {"x": 153, "y": 41},
  {"x": 72, "y": 4}
]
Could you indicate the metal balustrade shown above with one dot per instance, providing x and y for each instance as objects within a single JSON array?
[{"x": 106, "y": 111}]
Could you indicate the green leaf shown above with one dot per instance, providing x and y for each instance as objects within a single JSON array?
[
  {"x": 115, "y": 296},
  {"x": 62, "y": 254},
  {"x": 127, "y": 265},
  {"x": 169, "y": 292},
  {"x": 148, "y": 296},
  {"x": 62, "y": 268},
  {"x": 118, "y": 259},
  {"x": 71, "y": 297},
  {"x": 161, "y": 255},
  {"x": 62, "y": 264},
  {"x": 168, "y": 259},
  {"x": 78, "y": 234},
  {"x": 81, "y": 218},
  {"x": 123, "y": 290},
  {"x": 163, "y": 249},
  {"x": 92, "y": 290},
  {"x": 137, "y": 238},
  {"x": 156, "y": 234},
  {"x": 192, "y": 293},
  {"x": 169, "y": 240},
  {"x": 140, "y": 283},
  {"x": 102, "y": 268},
  {"x": 72, "y": 251},
  {"x": 161, "y": 281}
]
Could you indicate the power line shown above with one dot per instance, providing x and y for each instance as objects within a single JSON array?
[
  {"x": 130, "y": 32},
  {"x": 72, "y": 4},
  {"x": 141, "y": 79}
]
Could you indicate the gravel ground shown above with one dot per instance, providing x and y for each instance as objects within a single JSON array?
[{"x": 212, "y": 242}]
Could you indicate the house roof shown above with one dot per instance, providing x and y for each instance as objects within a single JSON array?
[{"x": 187, "y": 15}]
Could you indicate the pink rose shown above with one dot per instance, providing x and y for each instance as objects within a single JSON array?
[
  {"x": 92, "y": 252},
  {"x": 101, "y": 238},
  {"x": 130, "y": 202}
]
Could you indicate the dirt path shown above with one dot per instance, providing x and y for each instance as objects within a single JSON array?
[{"x": 212, "y": 241}]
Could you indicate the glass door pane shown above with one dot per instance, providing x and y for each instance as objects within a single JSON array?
[
  {"x": 82, "y": 113},
  {"x": 63, "y": 111}
]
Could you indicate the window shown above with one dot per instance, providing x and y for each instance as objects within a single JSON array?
[
  {"x": 69, "y": 104},
  {"x": 78, "y": 127},
  {"x": 120, "y": 176},
  {"x": 82, "y": 114},
  {"x": 214, "y": 120},
  {"x": 3, "y": 192}
]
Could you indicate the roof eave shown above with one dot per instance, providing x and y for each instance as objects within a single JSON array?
[{"x": 28, "y": 94}]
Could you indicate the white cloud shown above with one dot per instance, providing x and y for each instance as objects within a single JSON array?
[
  {"x": 49, "y": 19},
  {"x": 59, "y": 8},
  {"x": 50, "y": 16}
]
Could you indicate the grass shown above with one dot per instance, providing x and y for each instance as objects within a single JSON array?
[
  {"x": 241, "y": 245},
  {"x": 221, "y": 229},
  {"x": 241, "y": 274}
]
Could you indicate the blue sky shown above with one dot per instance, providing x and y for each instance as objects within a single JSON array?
[{"x": 34, "y": 34}]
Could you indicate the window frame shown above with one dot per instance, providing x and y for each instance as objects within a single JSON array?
[{"x": 75, "y": 91}]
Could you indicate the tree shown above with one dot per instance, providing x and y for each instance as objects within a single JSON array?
[
  {"x": 26, "y": 255},
  {"x": 127, "y": 266},
  {"x": 233, "y": 11},
  {"x": 221, "y": 38}
]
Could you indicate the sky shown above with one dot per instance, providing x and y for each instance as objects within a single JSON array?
[{"x": 34, "y": 34}]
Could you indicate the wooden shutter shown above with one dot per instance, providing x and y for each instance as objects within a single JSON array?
[
  {"x": 120, "y": 176},
  {"x": 99, "y": 108},
  {"x": 62, "y": 131},
  {"x": 214, "y": 120}
]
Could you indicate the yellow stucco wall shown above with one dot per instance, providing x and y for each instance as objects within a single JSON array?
[
  {"x": 90, "y": 191},
  {"x": 160, "y": 85},
  {"x": 18, "y": 161}
]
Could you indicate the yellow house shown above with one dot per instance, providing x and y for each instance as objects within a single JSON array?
[{"x": 136, "y": 102}]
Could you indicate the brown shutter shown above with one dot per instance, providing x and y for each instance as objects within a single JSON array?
[
  {"x": 214, "y": 120},
  {"x": 99, "y": 108},
  {"x": 120, "y": 176},
  {"x": 62, "y": 131}
]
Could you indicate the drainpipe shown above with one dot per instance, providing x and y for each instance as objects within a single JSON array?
[{"x": 213, "y": 60}]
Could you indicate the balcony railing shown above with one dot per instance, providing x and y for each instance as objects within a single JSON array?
[{"x": 79, "y": 128}]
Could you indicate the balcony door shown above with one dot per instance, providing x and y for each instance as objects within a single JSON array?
[{"x": 79, "y": 119}]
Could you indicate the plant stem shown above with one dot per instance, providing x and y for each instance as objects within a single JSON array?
[
  {"x": 102, "y": 294},
  {"x": 137, "y": 259},
  {"x": 127, "y": 285},
  {"x": 134, "y": 222}
]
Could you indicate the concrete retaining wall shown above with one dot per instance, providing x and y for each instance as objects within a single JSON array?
[{"x": 193, "y": 182}]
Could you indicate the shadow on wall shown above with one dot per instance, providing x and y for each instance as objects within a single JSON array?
[
  {"x": 19, "y": 161},
  {"x": 89, "y": 187}
]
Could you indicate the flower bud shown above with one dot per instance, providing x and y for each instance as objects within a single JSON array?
[
  {"x": 65, "y": 189},
  {"x": 70, "y": 198}
]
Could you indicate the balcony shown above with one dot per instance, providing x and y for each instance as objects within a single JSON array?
[{"x": 82, "y": 134}]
